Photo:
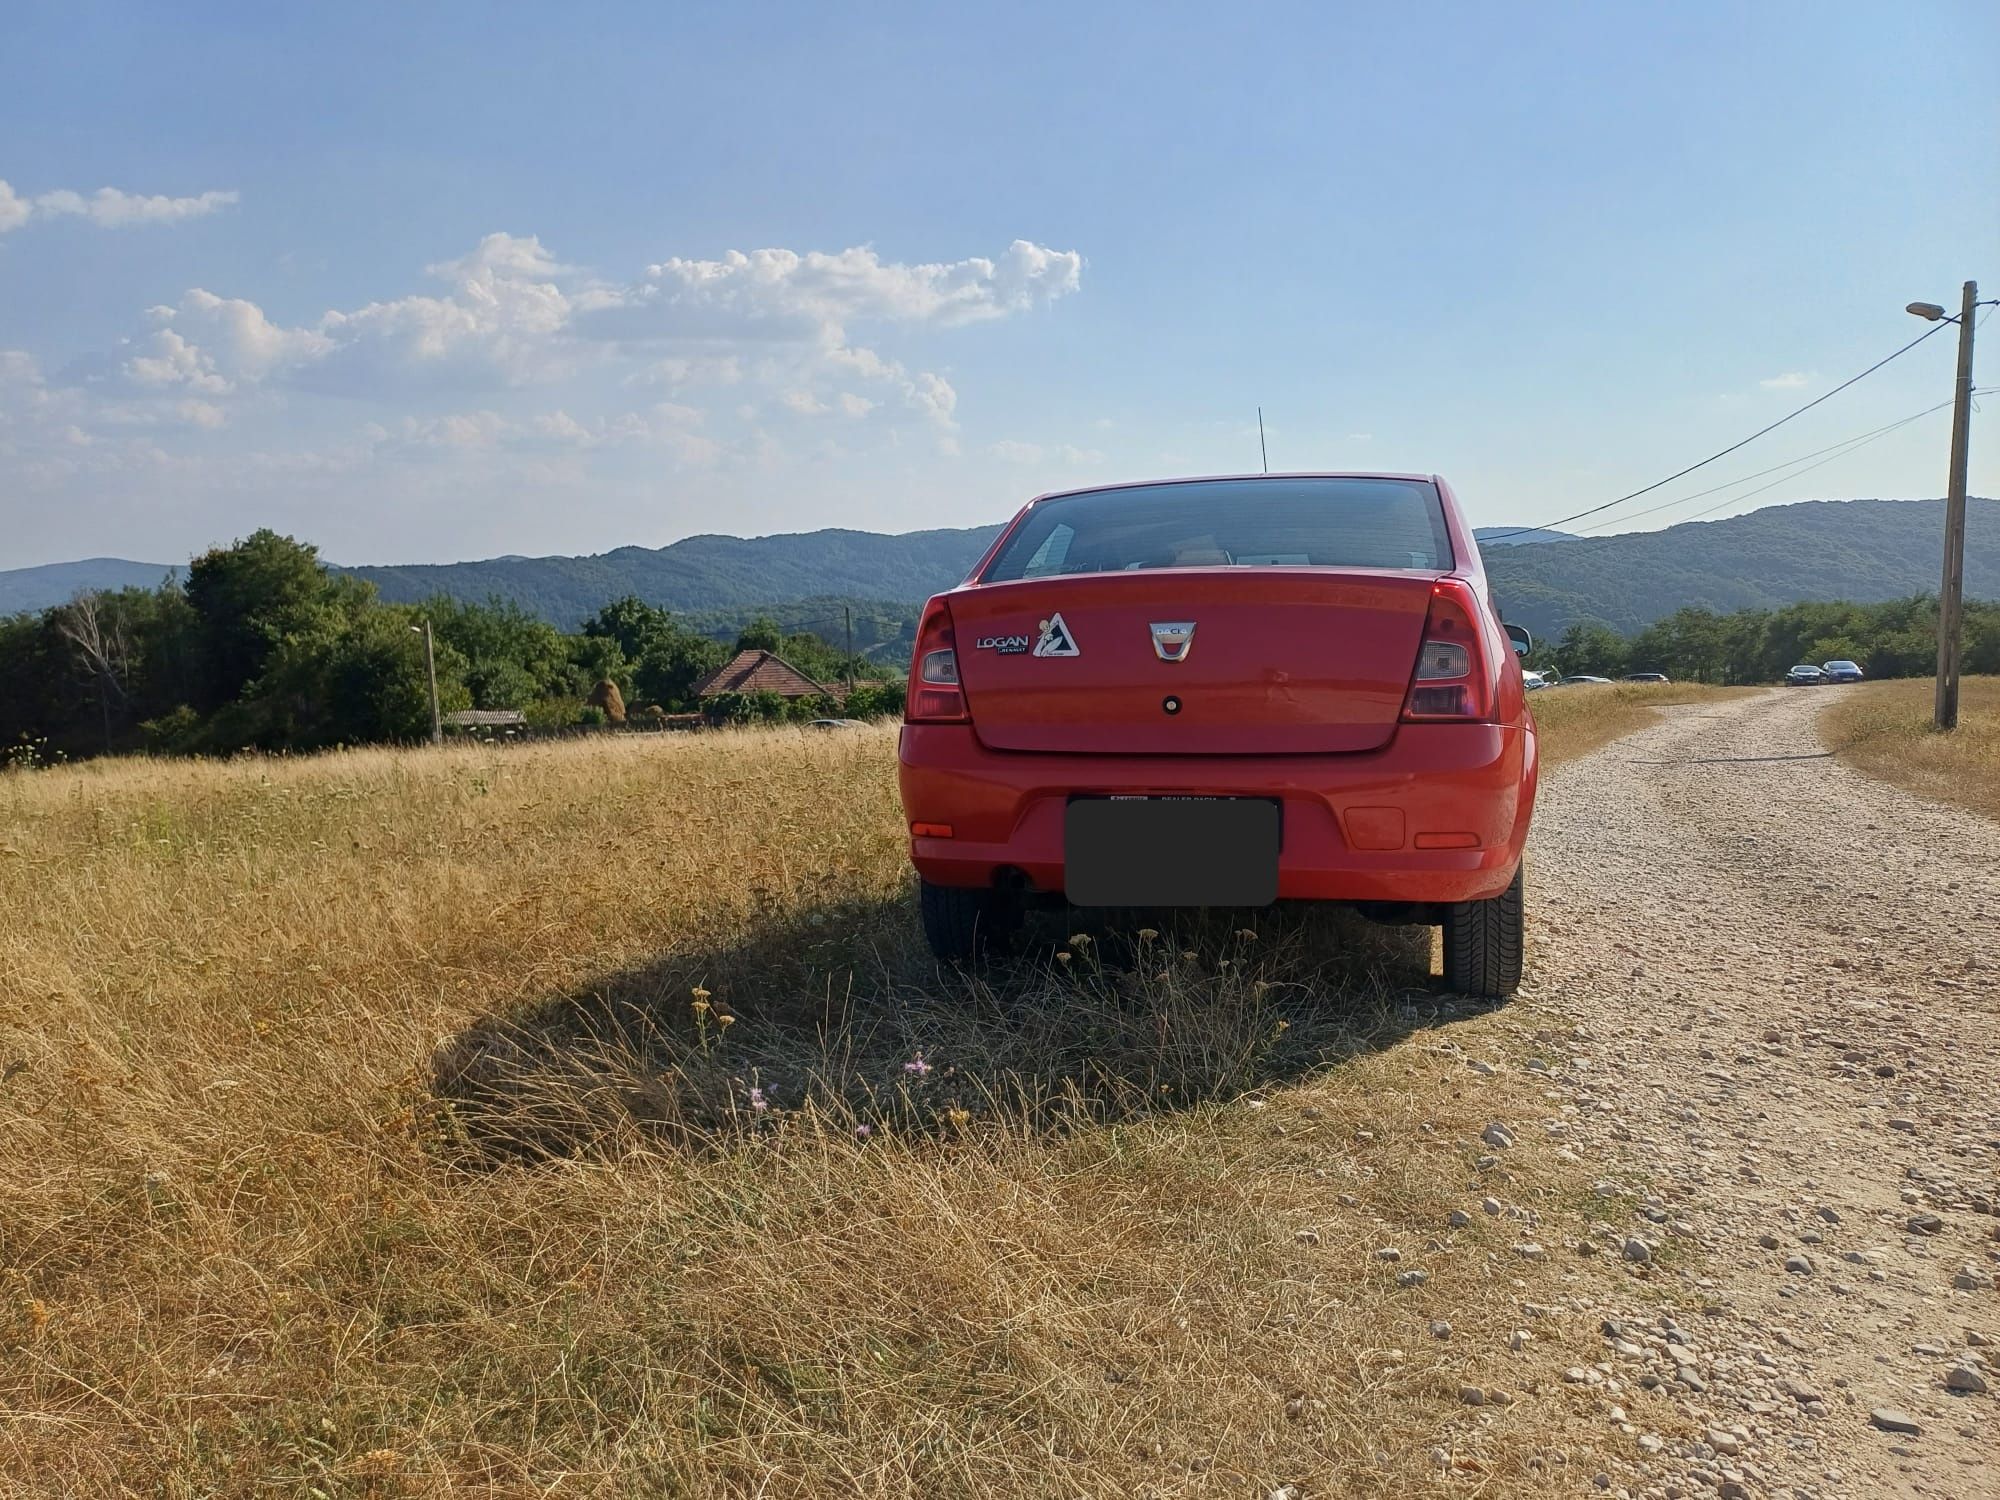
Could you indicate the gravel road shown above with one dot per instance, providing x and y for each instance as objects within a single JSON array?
[{"x": 1786, "y": 982}]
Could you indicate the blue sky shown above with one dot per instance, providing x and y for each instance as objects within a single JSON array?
[{"x": 454, "y": 280}]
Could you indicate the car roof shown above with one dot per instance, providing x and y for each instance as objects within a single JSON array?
[{"x": 1142, "y": 484}]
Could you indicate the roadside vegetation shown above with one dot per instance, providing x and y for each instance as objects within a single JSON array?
[
  {"x": 1897, "y": 638},
  {"x": 263, "y": 647},
  {"x": 1884, "y": 728},
  {"x": 583, "y": 1116}
]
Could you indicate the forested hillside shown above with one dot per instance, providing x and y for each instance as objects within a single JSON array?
[
  {"x": 704, "y": 572},
  {"x": 1861, "y": 550}
]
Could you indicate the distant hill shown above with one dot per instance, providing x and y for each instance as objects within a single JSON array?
[
  {"x": 56, "y": 583},
  {"x": 1864, "y": 550},
  {"x": 1514, "y": 536},
  {"x": 705, "y": 572}
]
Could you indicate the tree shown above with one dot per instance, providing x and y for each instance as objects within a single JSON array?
[
  {"x": 97, "y": 633},
  {"x": 632, "y": 623},
  {"x": 761, "y": 634},
  {"x": 1591, "y": 648},
  {"x": 666, "y": 659},
  {"x": 248, "y": 597},
  {"x": 342, "y": 681},
  {"x": 511, "y": 657}
]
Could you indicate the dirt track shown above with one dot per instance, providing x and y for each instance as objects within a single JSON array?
[{"x": 1789, "y": 1051}]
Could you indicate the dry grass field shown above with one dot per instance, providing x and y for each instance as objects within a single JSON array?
[
  {"x": 584, "y": 1118},
  {"x": 1884, "y": 728}
]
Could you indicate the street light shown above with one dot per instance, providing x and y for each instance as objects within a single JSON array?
[
  {"x": 431, "y": 671},
  {"x": 1951, "y": 593}
]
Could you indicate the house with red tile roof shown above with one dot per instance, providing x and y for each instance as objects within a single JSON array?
[{"x": 759, "y": 671}]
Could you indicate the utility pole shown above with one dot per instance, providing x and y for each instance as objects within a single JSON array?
[
  {"x": 1262, "y": 451},
  {"x": 1951, "y": 595},
  {"x": 847, "y": 618},
  {"x": 431, "y": 671}
]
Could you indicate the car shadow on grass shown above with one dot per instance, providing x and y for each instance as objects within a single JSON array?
[{"x": 835, "y": 1020}]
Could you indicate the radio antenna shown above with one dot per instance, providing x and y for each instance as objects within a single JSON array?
[{"x": 1261, "y": 449}]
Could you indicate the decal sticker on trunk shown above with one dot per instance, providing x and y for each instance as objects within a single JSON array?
[{"x": 1056, "y": 639}]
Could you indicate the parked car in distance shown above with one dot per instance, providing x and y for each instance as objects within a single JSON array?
[
  {"x": 1645, "y": 677},
  {"x": 1533, "y": 681},
  {"x": 1842, "y": 671},
  {"x": 837, "y": 724},
  {"x": 1804, "y": 675},
  {"x": 1582, "y": 677},
  {"x": 1221, "y": 693}
]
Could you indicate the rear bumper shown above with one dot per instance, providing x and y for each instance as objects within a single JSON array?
[{"x": 1356, "y": 827}]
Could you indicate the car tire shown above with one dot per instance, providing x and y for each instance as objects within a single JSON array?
[
  {"x": 1483, "y": 944},
  {"x": 963, "y": 924}
]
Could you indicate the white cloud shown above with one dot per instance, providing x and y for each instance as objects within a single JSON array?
[
  {"x": 174, "y": 361},
  {"x": 14, "y": 209},
  {"x": 783, "y": 294},
  {"x": 561, "y": 426},
  {"x": 108, "y": 207},
  {"x": 1791, "y": 380},
  {"x": 513, "y": 315},
  {"x": 212, "y": 394}
]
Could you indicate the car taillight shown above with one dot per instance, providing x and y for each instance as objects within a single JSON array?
[
  {"x": 1452, "y": 680},
  {"x": 935, "y": 696}
]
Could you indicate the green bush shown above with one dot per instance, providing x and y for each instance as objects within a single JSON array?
[
  {"x": 874, "y": 700},
  {"x": 177, "y": 732},
  {"x": 547, "y": 714}
]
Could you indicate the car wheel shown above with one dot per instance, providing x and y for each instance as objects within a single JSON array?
[
  {"x": 1483, "y": 944},
  {"x": 965, "y": 923}
]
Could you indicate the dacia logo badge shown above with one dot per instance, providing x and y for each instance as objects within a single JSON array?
[
  {"x": 1173, "y": 639},
  {"x": 1055, "y": 639}
]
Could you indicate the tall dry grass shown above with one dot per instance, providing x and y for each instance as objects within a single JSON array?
[
  {"x": 586, "y": 1119},
  {"x": 1884, "y": 728}
]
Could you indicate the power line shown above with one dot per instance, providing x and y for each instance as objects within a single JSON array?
[
  {"x": 1858, "y": 443},
  {"x": 1845, "y": 443},
  {"x": 1725, "y": 452},
  {"x": 1852, "y": 446}
]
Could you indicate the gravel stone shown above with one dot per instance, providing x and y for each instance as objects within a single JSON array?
[{"x": 1727, "y": 1083}]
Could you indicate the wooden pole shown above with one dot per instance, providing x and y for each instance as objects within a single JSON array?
[
  {"x": 1951, "y": 593},
  {"x": 431, "y": 671}
]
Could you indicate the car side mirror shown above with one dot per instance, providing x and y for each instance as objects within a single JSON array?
[{"x": 1518, "y": 634}]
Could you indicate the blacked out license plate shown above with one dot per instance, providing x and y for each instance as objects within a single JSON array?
[{"x": 1171, "y": 851}]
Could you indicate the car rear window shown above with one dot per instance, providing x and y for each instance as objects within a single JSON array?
[{"x": 1248, "y": 523}]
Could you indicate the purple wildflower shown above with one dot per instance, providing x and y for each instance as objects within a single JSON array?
[
  {"x": 862, "y": 1132},
  {"x": 916, "y": 1065},
  {"x": 758, "y": 1101}
]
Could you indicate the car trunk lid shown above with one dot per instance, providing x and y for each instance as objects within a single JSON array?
[{"x": 1279, "y": 661}]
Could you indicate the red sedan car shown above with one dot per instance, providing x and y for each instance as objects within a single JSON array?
[{"x": 1225, "y": 692}]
